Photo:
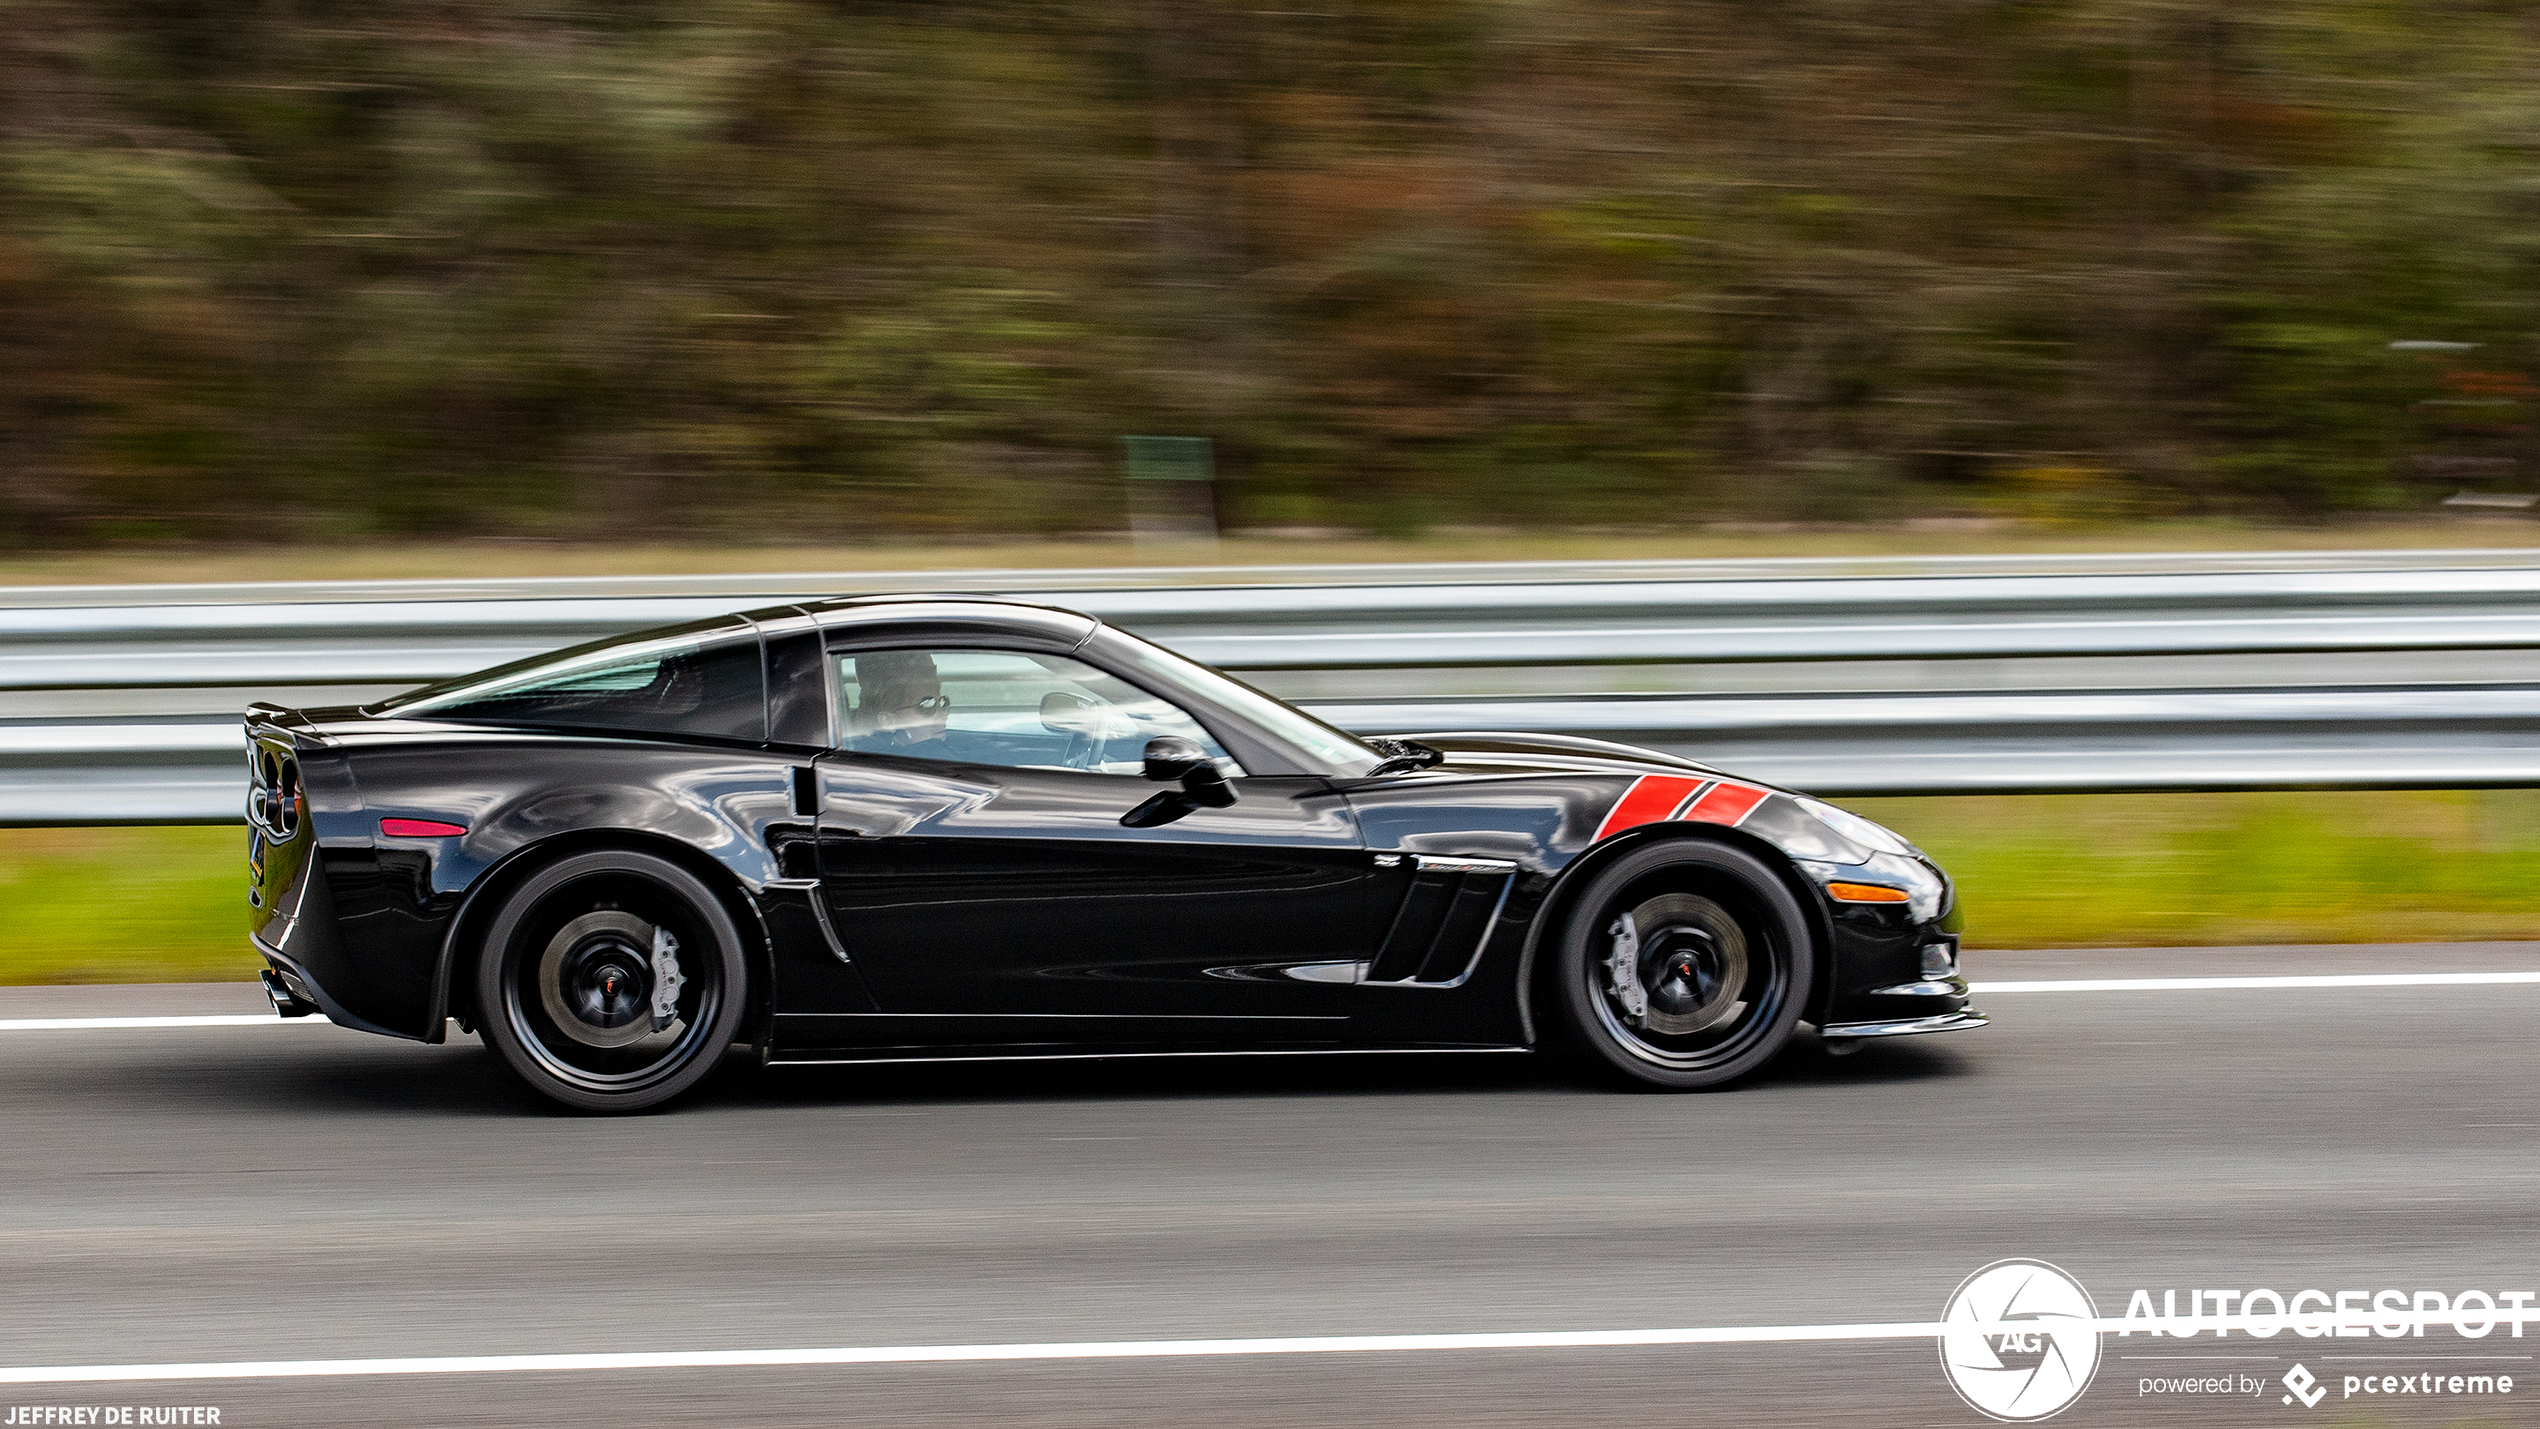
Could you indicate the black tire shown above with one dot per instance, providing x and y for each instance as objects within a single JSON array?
[
  {"x": 1719, "y": 951},
  {"x": 566, "y": 988}
]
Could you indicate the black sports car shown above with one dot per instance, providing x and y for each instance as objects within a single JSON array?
[{"x": 915, "y": 828}]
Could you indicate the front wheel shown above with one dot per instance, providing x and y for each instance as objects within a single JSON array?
[
  {"x": 611, "y": 981},
  {"x": 1682, "y": 965}
]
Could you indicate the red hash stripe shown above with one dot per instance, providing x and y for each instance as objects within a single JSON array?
[
  {"x": 1726, "y": 804},
  {"x": 1652, "y": 797}
]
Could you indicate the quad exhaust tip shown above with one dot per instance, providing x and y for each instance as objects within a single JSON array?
[{"x": 284, "y": 1002}]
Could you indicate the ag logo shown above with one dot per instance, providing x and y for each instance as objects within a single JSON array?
[{"x": 2035, "y": 1363}]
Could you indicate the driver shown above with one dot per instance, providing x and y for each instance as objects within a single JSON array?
[{"x": 900, "y": 704}]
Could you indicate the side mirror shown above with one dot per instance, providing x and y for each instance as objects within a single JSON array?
[{"x": 1170, "y": 756}]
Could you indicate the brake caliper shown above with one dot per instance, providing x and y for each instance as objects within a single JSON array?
[
  {"x": 1622, "y": 968},
  {"x": 667, "y": 979}
]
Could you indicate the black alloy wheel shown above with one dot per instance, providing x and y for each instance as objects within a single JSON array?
[
  {"x": 611, "y": 981},
  {"x": 1683, "y": 964}
]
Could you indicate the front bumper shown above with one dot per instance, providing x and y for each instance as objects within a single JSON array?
[{"x": 1904, "y": 1027}]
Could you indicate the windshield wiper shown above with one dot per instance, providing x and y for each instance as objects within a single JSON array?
[{"x": 1404, "y": 755}]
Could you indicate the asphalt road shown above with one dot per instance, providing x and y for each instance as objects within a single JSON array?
[{"x": 272, "y": 1192}]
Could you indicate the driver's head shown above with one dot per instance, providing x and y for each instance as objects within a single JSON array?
[{"x": 899, "y": 696}]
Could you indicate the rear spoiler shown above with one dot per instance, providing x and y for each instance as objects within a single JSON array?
[{"x": 287, "y": 724}]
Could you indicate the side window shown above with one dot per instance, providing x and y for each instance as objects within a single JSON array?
[
  {"x": 672, "y": 687},
  {"x": 1006, "y": 708}
]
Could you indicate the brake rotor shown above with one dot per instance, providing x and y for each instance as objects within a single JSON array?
[
  {"x": 596, "y": 978},
  {"x": 1678, "y": 966}
]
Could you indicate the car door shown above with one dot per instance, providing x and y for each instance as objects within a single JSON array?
[{"x": 976, "y": 868}]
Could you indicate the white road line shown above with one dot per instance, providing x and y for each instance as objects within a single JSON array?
[
  {"x": 1186, "y": 1349},
  {"x": 86, "y": 1024},
  {"x": 2202, "y": 984},
  {"x": 954, "y": 1354},
  {"x": 2113, "y": 984}
]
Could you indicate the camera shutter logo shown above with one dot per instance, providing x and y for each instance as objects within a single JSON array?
[{"x": 2017, "y": 1340}]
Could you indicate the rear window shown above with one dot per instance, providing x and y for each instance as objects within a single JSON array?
[{"x": 676, "y": 686}]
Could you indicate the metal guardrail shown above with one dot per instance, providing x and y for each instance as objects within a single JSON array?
[{"x": 2256, "y": 670}]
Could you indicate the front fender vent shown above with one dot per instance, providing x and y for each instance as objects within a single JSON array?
[{"x": 1445, "y": 920}]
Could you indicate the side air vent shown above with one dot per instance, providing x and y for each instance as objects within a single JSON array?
[{"x": 1446, "y": 916}]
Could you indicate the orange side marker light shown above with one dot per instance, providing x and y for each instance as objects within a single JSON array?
[{"x": 1866, "y": 893}]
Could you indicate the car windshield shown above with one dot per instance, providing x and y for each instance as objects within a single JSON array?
[{"x": 1344, "y": 753}]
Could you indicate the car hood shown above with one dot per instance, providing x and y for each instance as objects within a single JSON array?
[{"x": 1495, "y": 752}]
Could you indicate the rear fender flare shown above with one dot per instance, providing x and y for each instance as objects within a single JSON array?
[
  {"x": 461, "y": 946},
  {"x": 1579, "y": 871}
]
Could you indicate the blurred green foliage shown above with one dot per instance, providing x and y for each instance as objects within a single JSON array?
[{"x": 824, "y": 269}]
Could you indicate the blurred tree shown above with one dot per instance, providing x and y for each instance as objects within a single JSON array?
[{"x": 823, "y": 268}]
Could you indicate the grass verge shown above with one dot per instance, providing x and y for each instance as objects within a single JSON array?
[
  {"x": 2149, "y": 870},
  {"x": 124, "y": 905},
  {"x": 2088, "y": 870},
  {"x": 488, "y": 559}
]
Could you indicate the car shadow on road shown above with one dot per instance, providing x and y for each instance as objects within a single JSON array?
[
  {"x": 347, "y": 1073},
  {"x": 1805, "y": 1065}
]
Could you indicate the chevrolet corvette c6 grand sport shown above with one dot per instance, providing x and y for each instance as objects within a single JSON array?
[{"x": 912, "y": 828}]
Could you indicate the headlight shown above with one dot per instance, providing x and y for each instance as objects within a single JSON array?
[
  {"x": 1860, "y": 830},
  {"x": 1924, "y": 890}
]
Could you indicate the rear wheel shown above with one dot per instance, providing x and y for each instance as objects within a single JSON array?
[
  {"x": 611, "y": 981},
  {"x": 1682, "y": 965}
]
